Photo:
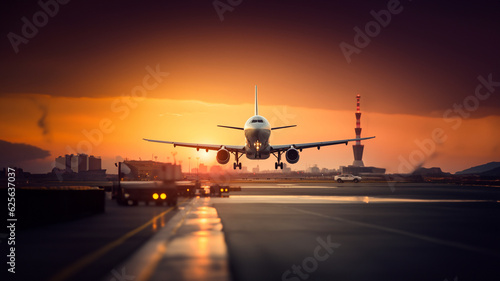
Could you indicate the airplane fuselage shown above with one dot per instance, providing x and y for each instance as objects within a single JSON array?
[{"x": 257, "y": 132}]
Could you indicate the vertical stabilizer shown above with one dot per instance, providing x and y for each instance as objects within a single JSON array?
[{"x": 256, "y": 105}]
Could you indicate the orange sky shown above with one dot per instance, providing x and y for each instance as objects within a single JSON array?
[
  {"x": 81, "y": 68},
  {"x": 195, "y": 121}
]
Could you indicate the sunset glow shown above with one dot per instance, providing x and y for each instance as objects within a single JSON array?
[{"x": 176, "y": 71}]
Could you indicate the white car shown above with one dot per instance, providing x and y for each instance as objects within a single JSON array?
[{"x": 347, "y": 177}]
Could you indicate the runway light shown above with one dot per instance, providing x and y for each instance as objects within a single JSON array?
[
  {"x": 188, "y": 189},
  {"x": 226, "y": 189},
  {"x": 155, "y": 196},
  {"x": 222, "y": 190},
  {"x": 163, "y": 196},
  {"x": 126, "y": 195}
]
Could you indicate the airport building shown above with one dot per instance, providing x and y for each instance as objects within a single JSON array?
[
  {"x": 256, "y": 169},
  {"x": 149, "y": 170},
  {"x": 63, "y": 163},
  {"x": 357, "y": 149},
  {"x": 81, "y": 167},
  {"x": 94, "y": 163},
  {"x": 358, "y": 167},
  {"x": 79, "y": 163},
  {"x": 203, "y": 168},
  {"x": 313, "y": 170}
]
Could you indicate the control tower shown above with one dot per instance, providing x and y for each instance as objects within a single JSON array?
[{"x": 358, "y": 147}]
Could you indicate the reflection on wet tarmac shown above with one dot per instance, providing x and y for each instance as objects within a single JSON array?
[
  {"x": 200, "y": 241},
  {"x": 307, "y": 199},
  {"x": 290, "y": 185}
]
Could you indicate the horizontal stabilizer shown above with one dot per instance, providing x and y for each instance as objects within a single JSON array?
[{"x": 230, "y": 127}]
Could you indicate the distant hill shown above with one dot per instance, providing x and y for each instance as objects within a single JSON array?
[
  {"x": 481, "y": 169},
  {"x": 491, "y": 173},
  {"x": 434, "y": 171}
]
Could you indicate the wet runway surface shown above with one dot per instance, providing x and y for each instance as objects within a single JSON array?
[
  {"x": 440, "y": 233},
  {"x": 87, "y": 248},
  {"x": 268, "y": 231}
]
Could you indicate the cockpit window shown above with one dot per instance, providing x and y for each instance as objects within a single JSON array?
[{"x": 257, "y": 121}]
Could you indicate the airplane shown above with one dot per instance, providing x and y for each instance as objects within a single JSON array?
[{"x": 257, "y": 131}]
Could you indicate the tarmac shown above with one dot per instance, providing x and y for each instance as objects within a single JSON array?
[{"x": 269, "y": 231}]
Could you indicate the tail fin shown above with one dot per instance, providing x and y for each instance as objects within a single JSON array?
[{"x": 256, "y": 105}]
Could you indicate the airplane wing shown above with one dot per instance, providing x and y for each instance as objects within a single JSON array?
[
  {"x": 230, "y": 127},
  {"x": 207, "y": 147},
  {"x": 300, "y": 146},
  {"x": 283, "y": 127}
]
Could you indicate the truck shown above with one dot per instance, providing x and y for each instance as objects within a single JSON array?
[
  {"x": 130, "y": 193},
  {"x": 161, "y": 191}
]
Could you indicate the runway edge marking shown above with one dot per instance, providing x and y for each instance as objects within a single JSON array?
[
  {"x": 143, "y": 263},
  {"x": 406, "y": 233},
  {"x": 89, "y": 258}
]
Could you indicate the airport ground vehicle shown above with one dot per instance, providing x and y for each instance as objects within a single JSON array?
[
  {"x": 133, "y": 192},
  {"x": 347, "y": 177},
  {"x": 202, "y": 189},
  {"x": 160, "y": 191}
]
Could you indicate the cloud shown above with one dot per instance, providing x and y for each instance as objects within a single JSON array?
[{"x": 18, "y": 153}]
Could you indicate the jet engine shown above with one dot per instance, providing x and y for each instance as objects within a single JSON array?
[
  {"x": 292, "y": 155},
  {"x": 223, "y": 156}
]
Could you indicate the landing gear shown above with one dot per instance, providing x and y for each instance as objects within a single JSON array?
[
  {"x": 237, "y": 163},
  {"x": 279, "y": 163}
]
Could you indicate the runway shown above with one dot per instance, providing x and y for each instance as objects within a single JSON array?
[
  {"x": 363, "y": 231},
  {"x": 442, "y": 232}
]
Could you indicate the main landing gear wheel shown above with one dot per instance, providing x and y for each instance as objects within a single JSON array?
[
  {"x": 279, "y": 163},
  {"x": 236, "y": 165}
]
